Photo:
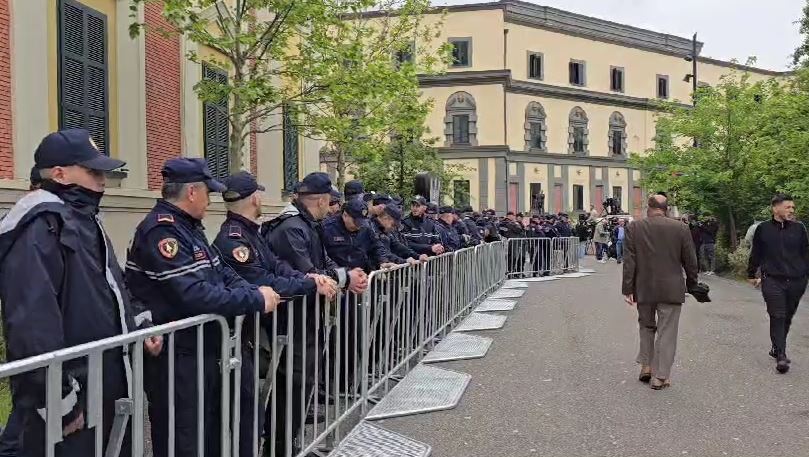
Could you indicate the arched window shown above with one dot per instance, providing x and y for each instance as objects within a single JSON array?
[
  {"x": 535, "y": 137},
  {"x": 577, "y": 132},
  {"x": 617, "y": 135},
  {"x": 460, "y": 121}
]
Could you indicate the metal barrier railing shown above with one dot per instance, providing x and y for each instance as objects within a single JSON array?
[
  {"x": 287, "y": 382},
  {"x": 541, "y": 256}
]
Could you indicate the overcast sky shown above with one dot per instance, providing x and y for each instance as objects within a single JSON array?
[{"x": 730, "y": 29}]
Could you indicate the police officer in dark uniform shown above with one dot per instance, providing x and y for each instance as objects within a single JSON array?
[
  {"x": 296, "y": 237},
  {"x": 450, "y": 238},
  {"x": 471, "y": 227},
  {"x": 350, "y": 242},
  {"x": 353, "y": 189},
  {"x": 419, "y": 230},
  {"x": 172, "y": 269},
  {"x": 335, "y": 201},
  {"x": 61, "y": 285},
  {"x": 241, "y": 246},
  {"x": 387, "y": 228}
]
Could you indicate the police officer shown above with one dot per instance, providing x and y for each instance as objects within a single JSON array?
[
  {"x": 353, "y": 188},
  {"x": 334, "y": 202},
  {"x": 450, "y": 238},
  {"x": 472, "y": 230},
  {"x": 432, "y": 211},
  {"x": 295, "y": 236},
  {"x": 419, "y": 231},
  {"x": 377, "y": 204},
  {"x": 350, "y": 242},
  {"x": 61, "y": 285},
  {"x": 172, "y": 269},
  {"x": 241, "y": 246},
  {"x": 387, "y": 223}
]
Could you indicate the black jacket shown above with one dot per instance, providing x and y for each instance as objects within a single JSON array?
[
  {"x": 420, "y": 233},
  {"x": 780, "y": 249},
  {"x": 360, "y": 249}
]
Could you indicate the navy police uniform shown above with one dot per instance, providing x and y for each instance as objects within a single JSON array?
[
  {"x": 61, "y": 285},
  {"x": 172, "y": 269},
  {"x": 420, "y": 231},
  {"x": 357, "y": 249},
  {"x": 449, "y": 236}
]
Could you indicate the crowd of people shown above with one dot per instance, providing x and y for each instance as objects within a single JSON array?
[{"x": 61, "y": 285}]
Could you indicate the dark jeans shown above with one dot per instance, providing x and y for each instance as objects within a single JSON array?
[
  {"x": 782, "y": 296},
  {"x": 601, "y": 249}
]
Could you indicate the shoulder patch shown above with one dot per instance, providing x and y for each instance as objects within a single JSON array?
[
  {"x": 234, "y": 231},
  {"x": 168, "y": 247},
  {"x": 167, "y": 218},
  {"x": 241, "y": 254}
]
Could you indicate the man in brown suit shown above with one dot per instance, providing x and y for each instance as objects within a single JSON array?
[{"x": 656, "y": 251}]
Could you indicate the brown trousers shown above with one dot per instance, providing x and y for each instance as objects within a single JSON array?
[{"x": 659, "y": 324}]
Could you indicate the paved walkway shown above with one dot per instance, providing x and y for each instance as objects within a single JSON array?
[{"x": 560, "y": 380}]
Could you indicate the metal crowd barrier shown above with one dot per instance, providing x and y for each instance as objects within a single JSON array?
[
  {"x": 291, "y": 382},
  {"x": 527, "y": 257}
]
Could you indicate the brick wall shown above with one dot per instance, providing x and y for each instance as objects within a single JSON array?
[
  {"x": 163, "y": 95},
  {"x": 6, "y": 151}
]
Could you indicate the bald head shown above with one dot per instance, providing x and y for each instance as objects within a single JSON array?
[{"x": 658, "y": 205}]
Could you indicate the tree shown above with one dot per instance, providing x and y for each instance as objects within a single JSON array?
[{"x": 801, "y": 56}]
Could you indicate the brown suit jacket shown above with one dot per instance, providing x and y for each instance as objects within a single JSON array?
[{"x": 656, "y": 251}]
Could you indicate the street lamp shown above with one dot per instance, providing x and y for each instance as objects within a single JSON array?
[{"x": 692, "y": 77}]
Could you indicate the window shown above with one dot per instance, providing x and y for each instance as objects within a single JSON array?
[
  {"x": 83, "y": 91},
  {"x": 617, "y": 134},
  {"x": 616, "y": 79},
  {"x": 460, "y": 120},
  {"x": 578, "y": 131},
  {"x": 460, "y": 129},
  {"x": 577, "y": 73},
  {"x": 535, "y": 128},
  {"x": 662, "y": 86},
  {"x": 461, "y": 52},
  {"x": 537, "y": 198},
  {"x": 290, "y": 158},
  {"x": 578, "y": 197},
  {"x": 617, "y": 194},
  {"x": 460, "y": 193},
  {"x": 404, "y": 56},
  {"x": 535, "y": 65},
  {"x": 215, "y": 126}
]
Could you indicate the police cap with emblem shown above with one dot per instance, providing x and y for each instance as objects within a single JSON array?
[
  {"x": 315, "y": 183},
  {"x": 381, "y": 199},
  {"x": 393, "y": 211},
  {"x": 72, "y": 147},
  {"x": 187, "y": 170},
  {"x": 356, "y": 208},
  {"x": 240, "y": 185},
  {"x": 353, "y": 188},
  {"x": 419, "y": 200}
]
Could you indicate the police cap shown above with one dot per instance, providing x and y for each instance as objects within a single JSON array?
[
  {"x": 336, "y": 196},
  {"x": 356, "y": 208},
  {"x": 368, "y": 196},
  {"x": 187, "y": 170},
  {"x": 446, "y": 210},
  {"x": 240, "y": 185},
  {"x": 353, "y": 188},
  {"x": 381, "y": 199},
  {"x": 393, "y": 211},
  {"x": 315, "y": 183},
  {"x": 419, "y": 200},
  {"x": 72, "y": 147},
  {"x": 432, "y": 208}
]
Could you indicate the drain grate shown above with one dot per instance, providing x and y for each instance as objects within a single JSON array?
[
  {"x": 542, "y": 279},
  {"x": 511, "y": 284},
  {"x": 459, "y": 346},
  {"x": 423, "y": 390},
  {"x": 480, "y": 321},
  {"x": 496, "y": 305},
  {"x": 368, "y": 440},
  {"x": 507, "y": 293}
]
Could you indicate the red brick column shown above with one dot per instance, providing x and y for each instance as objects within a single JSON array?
[
  {"x": 163, "y": 94},
  {"x": 6, "y": 128}
]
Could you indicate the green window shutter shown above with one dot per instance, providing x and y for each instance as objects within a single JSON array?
[
  {"x": 83, "y": 72},
  {"x": 215, "y": 127}
]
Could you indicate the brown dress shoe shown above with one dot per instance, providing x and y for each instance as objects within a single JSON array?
[
  {"x": 645, "y": 374},
  {"x": 659, "y": 384}
]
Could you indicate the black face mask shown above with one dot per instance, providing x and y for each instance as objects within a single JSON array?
[{"x": 77, "y": 196}]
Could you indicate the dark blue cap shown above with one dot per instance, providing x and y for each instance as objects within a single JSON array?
[
  {"x": 393, "y": 211},
  {"x": 240, "y": 185},
  {"x": 368, "y": 196},
  {"x": 418, "y": 199},
  {"x": 186, "y": 170},
  {"x": 432, "y": 208},
  {"x": 356, "y": 208},
  {"x": 72, "y": 147},
  {"x": 315, "y": 183},
  {"x": 381, "y": 199},
  {"x": 353, "y": 188},
  {"x": 446, "y": 210},
  {"x": 336, "y": 196}
]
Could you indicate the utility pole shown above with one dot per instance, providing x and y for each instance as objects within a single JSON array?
[{"x": 693, "y": 75}]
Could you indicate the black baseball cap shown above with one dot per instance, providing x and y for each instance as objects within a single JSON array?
[
  {"x": 240, "y": 185},
  {"x": 432, "y": 208},
  {"x": 393, "y": 211},
  {"x": 419, "y": 200},
  {"x": 356, "y": 208},
  {"x": 72, "y": 147},
  {"x": 315, "y": 183},
  {"x": 187, "y": 170}
]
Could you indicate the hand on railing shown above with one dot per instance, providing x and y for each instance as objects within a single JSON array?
[
  {"x": 153, "y": 345},
  {"x": 358, "y": 281},
  {"x": 437, "y": 249},
  {"x": 326, "y": 286},
  {"x": 75, "y": 426},
  {"x": 271, "y": 299},
  {"x": 387, "y": 265},
  {"x": 424, "y": 258}
]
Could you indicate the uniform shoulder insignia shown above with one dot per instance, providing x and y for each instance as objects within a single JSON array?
[
  {"x": 234, "y": 231},
  {"x": 168, "y": 247},
  {"x": 241, "y": 254},
  {"x": 165, "y": 218}
]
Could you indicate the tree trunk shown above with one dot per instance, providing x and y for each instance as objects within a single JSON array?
[
  {"x": 732, "y": 236},
  {"x": 236, "y": 144},
  {"x": 341, "y": 165},
  {"x": 401, "y": 169}
]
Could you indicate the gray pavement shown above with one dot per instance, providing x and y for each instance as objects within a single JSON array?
[{"x": 560, "y": 380}]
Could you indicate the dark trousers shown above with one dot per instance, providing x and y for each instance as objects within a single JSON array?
[
  {"x": 782, "y": 296},
  {"x": 10, "y": 438}
]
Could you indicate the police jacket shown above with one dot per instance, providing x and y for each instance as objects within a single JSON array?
[
  {"x": 780, "y": 249},
  {"x": 472, "y": 230},
  {"x": 399, "y": 245},
  {"x": 241, "y": 246},
  {"x": 420, "y": 233},
  {"x": 511, "y": 229},
  {"x": 449, "y": 237},
  {"x": 61, "y": 285},
  {"x": 360, "y": 249},
  {"x": 564, "y": 229},
  {"x": 171, "y": 268},
  {"x": 491, "y": 232},
  {"x": 297, "y": 238},
  {"x": 388, "y": 241}
]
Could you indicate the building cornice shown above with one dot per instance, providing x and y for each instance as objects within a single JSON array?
[
  {"x": 472, "y": 78},
  {"x": 742, "y": 67}
]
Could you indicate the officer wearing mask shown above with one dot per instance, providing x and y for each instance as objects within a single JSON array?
[
  {"x": 171, "y": 268},
  {"x": 61, "y": 286},
  {"x": 240, "y": 245},
  {"x": 419, "y": 231},
  {"x": 387, "y": 223},
  {"x": 295, "y": 236},
  {"x": 450, "y": 238}
]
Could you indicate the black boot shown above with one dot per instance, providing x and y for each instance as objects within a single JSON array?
[
  {"x": 774, "y": 354},
  {"x": 782, "y": 365}
]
